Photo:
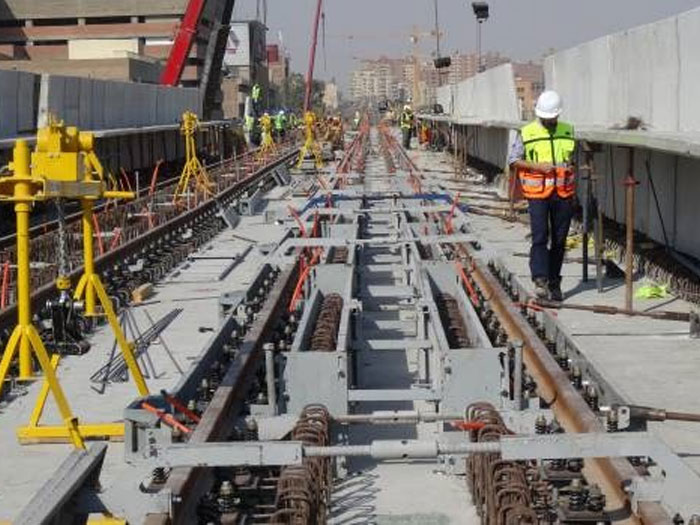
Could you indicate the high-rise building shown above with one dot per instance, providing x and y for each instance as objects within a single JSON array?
[
  {"x": 71, "y": 36},
  {"x": 394, "y": 79},
  {"x": 245, "y": 64},
  {"x": 378, "y": 80},
  {"x": 278, "y": 67},
  {"x": 466, "y": 66},
  {"x": 529, "y": 84},
  {"x": 331, "y": 99}
]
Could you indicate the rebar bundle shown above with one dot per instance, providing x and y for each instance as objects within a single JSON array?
[
  {"x": 325, "y": 336},
  {"x": 500, "y": 489},
  {"x": 115, "y": 370},
  {"x": 303, "y": 491}
]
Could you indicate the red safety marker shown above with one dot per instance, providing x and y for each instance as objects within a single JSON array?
[
  {"x": 165, "y": 417},
  {"x": 467, "y": 426},
  {"x": 180, "y": 407}
]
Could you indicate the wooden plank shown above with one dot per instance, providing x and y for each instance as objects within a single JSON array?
[{"x": 142, "y": 293}]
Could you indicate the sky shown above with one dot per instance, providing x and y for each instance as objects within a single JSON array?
[{"x": 521, "y": 29}]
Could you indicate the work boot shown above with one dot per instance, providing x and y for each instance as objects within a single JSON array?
[
  {"x": 541, "y": 288},
  {"x": 555, "y": 290}
]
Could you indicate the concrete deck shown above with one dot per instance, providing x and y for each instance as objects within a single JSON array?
[
  {"x": 381, "y": 492},
  {"x": 649, "y": 362},
  {"x": 195, "y": 287}
]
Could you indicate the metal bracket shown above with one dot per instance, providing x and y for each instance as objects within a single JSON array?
[{"x": 247, "y": 453}]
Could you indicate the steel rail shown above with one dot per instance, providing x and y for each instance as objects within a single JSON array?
[
  {"x": 206, "y": 209},
  {"x": 188, "y": 485},
  {"x": 8, "y": 241},
  {"x": 554, "y": 386}
]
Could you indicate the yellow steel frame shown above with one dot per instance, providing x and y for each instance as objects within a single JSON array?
[
  {"x": 25, "y": 337},
  {"x": 35, "y": 433},
  {"x": 90, "y": 286},
  {"x": 193, "y": 168},
  {"x": 106, "y": 519},
  {"x": 310, "y": 143},
  {"x": 267, "y": 145},
  {"x": 47, "y": 175}
]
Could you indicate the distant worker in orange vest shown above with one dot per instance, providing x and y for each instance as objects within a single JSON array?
[{"x": 542, "y": 156}]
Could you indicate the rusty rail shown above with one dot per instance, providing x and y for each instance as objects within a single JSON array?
[
  {"x": 126, "y": 221},
  {"x": 133, "y": 245},
  {"x": 554, "y": 386},
  {"x": 187, "y": 485}
]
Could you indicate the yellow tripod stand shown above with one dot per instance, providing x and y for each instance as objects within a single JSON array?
[
  {"x": 310, "y": 143},
  {"x": 64, "y": 165},
  {"x": 193, "y": 168},
  {"x": 267, "y": 145}
]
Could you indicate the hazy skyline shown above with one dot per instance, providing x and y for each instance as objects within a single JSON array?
[{"x": 520, "y": 29}]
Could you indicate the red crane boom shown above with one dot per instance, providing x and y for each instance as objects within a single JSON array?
[
  {"x": 182, "y": 44},
  {"x": 312, "y": 58}
]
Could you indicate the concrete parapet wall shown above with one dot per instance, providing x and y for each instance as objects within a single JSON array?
[
  {"x": 485, "y": 98},
  {"x": 100, "y": 104},
  {"x": 676, "y": 183},
  {"x": 650, "y": 72},
  {"x": 490, "y": 96},
  {"x": 26, "y": 100},
  {"x": 489, "y": 144},
  {"x": 18, "y": 98}
]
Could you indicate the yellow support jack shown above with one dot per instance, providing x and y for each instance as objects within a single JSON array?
[
  {"x": 267, "y": 145},
  {"x": 23, "y": 189},
  {"x": 310, "y": 144},
  {"x": 64, "y": 165},
  {"x": 193, "y": 168},
  {"x": 90, "y": 286},
  {"x": 33, "y": 432}
]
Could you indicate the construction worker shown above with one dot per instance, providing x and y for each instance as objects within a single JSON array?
[
  {"x": 249, "y": 122},
  {"x": 542, "y": 155},
  {"x": 407, "y": 123},
  {"x": 267, "y": 143},
  {"x": 281, "y": 124},
  {"x": 424, "y": 138},
  {"x": 338, "y": 133},
  {"x": 256, "y": 95},
  {"x": 356, "y": 121}
]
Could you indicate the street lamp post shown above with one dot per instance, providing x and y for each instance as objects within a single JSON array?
[{"x": 481, "y": 11}]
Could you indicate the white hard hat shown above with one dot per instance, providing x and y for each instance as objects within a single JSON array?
[{"x": 548, "y": 105}]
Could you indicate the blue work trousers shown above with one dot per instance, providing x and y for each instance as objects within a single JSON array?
[{"x": 549, "y": 222}]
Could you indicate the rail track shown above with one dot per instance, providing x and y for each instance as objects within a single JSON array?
[
  {"x": 154, "y": 235},
  {"x": 575, "y": 409},
  {"x": 239, "y": 374}
]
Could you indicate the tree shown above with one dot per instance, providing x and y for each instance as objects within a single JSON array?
[{"x": 296, "y": 90}]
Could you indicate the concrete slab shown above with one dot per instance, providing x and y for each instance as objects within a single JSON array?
[
  {"x": 650, "y": 362},
  {"x": 197, "y": 291}
]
